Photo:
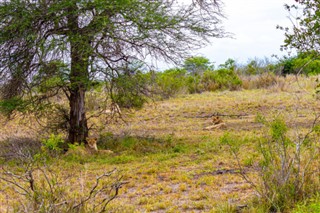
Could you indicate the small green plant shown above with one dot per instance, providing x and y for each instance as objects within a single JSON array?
[
  {"x": 54, "y": 143},
  {"x": 312, "y": 205}
]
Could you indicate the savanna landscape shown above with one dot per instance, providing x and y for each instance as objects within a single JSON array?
[{"x": 88, "y": 126}]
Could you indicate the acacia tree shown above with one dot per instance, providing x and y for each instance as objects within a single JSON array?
[
  {"x": 49, "y": 46},
  {"x": 197, "y": 65}
]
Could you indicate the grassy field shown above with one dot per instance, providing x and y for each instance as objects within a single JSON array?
[{"x": 171, "y": 163}]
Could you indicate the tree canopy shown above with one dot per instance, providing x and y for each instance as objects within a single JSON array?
[
  {"x": 50, "y": 46},
  {"x": 196, "y": 65}
]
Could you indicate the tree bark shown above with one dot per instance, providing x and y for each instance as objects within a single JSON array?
[
  {"x": 78, "y": 130},
  {"x": 79, "y": 78}
]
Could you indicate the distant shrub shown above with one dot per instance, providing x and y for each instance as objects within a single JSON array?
[
  {"x": 171, "y": 82},
  {"x": 221, "y": 79},
  {"x": 303, "y": 63},
  {"x": 197, "y": 65},
  {"x": 194, "y": 85},
  {"x": 265, "y": 80}
]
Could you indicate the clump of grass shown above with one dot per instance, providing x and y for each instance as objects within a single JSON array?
[
  {"x": 265, "y": 80},
  {"x": 137, "y": 145},
  {"x": 311, "y": 205}
]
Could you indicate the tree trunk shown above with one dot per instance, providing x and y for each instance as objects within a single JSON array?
[
  {"x": 78, "y": 131},
  {"x": 79, "y": 79}
]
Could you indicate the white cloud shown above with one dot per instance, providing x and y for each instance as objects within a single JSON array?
[{"x": 253, "y": 23}]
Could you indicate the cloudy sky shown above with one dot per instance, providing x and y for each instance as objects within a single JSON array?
[{"x": 253, "y": 23}]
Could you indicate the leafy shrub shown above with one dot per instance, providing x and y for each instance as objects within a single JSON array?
[
  {"x": 54, "y": 144},
  {"x": 171, "y": 82},
  {"x": 130, "y": 90},
  {"x": 194, "y": 85},
  {"x": 303, "y": 63},
  {"x": 220, "y": 80},
  {"x": 197, "y": 65},
  {"x": 288, "y": 166}
]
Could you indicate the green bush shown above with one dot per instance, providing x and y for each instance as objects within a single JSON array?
[
  {"x": 303, "y": 63},
  {"x": 54, "y": 143},
  {"x": 221, "y": 79},
  {"x": 194, "y": 85},
  {"x": 131, "y": 90},
  {"x": 171, "y": 82},
  {"x": 196, "y": 65}
]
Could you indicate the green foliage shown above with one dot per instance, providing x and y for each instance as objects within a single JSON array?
[
  {"x": 303, "y": 63},
  {"x": 175, "y": 81},
  {"x": 230, "y": 140},
  {"x": 130, "y": 91},
  {"x": 54, "y": 143},
  {"x": 8, "y": 106},
  {"x": 221, "y": 79},
  {"x": 230, "y": 64},
  {"x": 278, "y": 129},
  {"x": 193, "y": 84},
  {"x": 312, "y": 205},
  {"x": 252, "y": 68},
  {"x": 171, "y": 82},
  {"x": 197, "y": 65}
]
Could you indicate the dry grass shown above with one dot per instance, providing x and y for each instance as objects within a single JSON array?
[{"x": 188, "y": 170}]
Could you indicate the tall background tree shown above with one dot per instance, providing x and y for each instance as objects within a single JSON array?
[{"x": 48, "y": 46}]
